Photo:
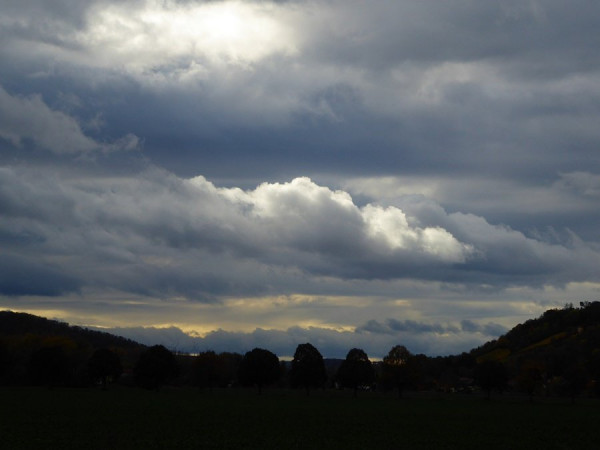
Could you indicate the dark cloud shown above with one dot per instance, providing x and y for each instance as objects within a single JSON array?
[
  {"x": 448, "y": 87},
  {"x": 488, "y": 329},
  {"x": 331, "y": 343},
  {"x": 412, "y": 327},
  {"x": 21, "y": 277}
]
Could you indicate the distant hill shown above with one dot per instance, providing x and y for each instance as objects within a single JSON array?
[
  {"x": 556, "y": 354},
  {"x": 22, "y": 336},
  {"x": 13, "y": 324},
  {"x": 570, "y": 332}
]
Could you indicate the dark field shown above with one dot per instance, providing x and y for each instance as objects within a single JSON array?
[{"x": 35, "y": 418}]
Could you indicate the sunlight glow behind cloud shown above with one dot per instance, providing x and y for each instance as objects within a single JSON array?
[{"x": 174, "y": 37}]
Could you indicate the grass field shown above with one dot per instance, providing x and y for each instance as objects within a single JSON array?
[{"x": 123, "y": 418}]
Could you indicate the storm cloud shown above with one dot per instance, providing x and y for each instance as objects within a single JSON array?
[{"x": 419, "y": 171}]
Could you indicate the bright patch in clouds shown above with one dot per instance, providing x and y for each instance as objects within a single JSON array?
[
  {"x": 180, "y": 38},
  {"x": 391, "y": 226}
]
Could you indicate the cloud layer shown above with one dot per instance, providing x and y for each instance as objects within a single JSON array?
[
  {"x": 158, "y": 234},
  {"x": 398, "y": 170}
]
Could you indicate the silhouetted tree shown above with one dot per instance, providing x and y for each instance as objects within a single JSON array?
[
  {"x": 491, "y": 375},
  {"x": 229, "y": 365},
  {"x": 206, "y": 369},
  {"x": 308, "y": 368},
  {"x": 396, "y": 371},
  {"x": 356, "y": 370},
  {"x": 155, "y": 367},
  {"x": 105, "y": 366},
  {"x": 259, "y": 367},
  {"x": 49, "y": 366}
]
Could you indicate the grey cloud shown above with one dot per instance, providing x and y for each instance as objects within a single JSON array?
[
  {"x": 488, "y": 329},
  {"x": 331, "y": 343},
  {"x": 585, "y": 183},
  {"x": 413, "y": 327},
  {"x": 469, "y": 326},
  {"x": 20, "y": 277},
  {"x": 157, "y": 234},
  {"x": 373, "y": 326},
  {"x": 394, "y": 326},
  {"x": 562, "y": 205},
  {"x": 434, "y": 88},
  {"x": 456, "y": 31},
  {"x": 494, "y": 329},
  {"x": 24, "y": 119},
  {"x": 30, "y": 118}
]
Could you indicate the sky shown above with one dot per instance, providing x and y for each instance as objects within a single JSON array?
[{"x": 235, "y": 174}]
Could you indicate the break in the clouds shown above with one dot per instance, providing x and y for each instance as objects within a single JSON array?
[{"x": 422, "y": 172}]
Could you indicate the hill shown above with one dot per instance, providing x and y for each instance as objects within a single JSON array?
[
  {"x": 556, "y": 353},
  {"x": 22, "y": 335},
  {"x": 13, "y": 324},
  {"x": 573, "y": 331}
]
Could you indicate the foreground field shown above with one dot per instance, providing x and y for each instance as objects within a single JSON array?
[{"x": 125, "y": 418}]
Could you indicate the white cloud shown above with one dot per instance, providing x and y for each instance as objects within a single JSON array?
[
  {"x": 181, "y": 40},
  {"x": 390, "y": 225},
  {"x": 531, "y": 208}
]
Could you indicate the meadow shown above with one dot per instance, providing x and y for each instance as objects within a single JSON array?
[{"x": 127, "y": 418}]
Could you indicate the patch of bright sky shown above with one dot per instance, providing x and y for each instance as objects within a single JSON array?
[{"x": 166, "y": 34}]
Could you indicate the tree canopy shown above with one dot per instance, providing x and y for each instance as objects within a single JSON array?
[
  {"x": 356, "y": 370},
  {"x": 207, "y": 369},
  {"x": 308, "y": 368},
  {"x": 259, "y": 367},
  {"x": 397, "y": 368},
  {"x": 155, "y": 367}
]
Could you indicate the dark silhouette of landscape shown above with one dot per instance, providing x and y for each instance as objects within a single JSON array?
[
  {"x": 556, "y": 354},
  {"x": 551, "y": 363}
]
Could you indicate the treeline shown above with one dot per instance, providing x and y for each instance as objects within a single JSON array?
[{"x": 556, "y": 354}]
